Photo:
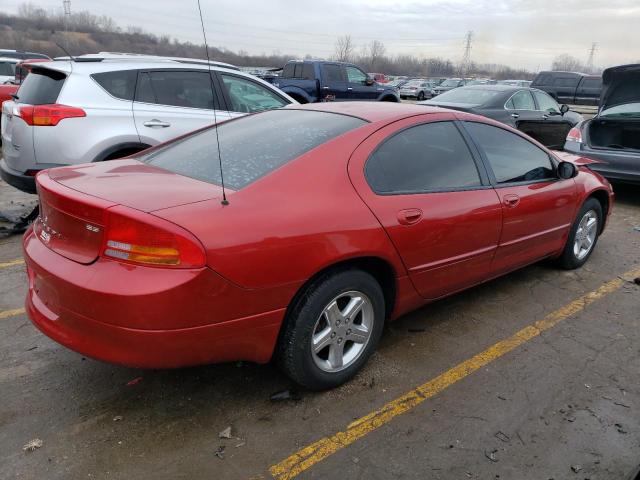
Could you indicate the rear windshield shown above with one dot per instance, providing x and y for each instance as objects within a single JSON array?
[
  {"x": 471, "y": 96},
  {"x": 252, "y": 146},
  {"x": 41, "y": 87}
]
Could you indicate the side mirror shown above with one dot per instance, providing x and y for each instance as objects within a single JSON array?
[
  {"x": 369, "y": 81},
  {"x": 564, "y": 108},
  {"x": 567, "y": 170}
]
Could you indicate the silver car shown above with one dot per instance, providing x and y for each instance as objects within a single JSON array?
[{"x": 102, "y": 107}]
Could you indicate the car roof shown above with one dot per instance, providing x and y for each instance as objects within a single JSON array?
[
  {"x": 370, "y": 111},
  {"x": 10, "y": 59},
  {"x": 111, "y": 65},
  {"x": 496, "y": 87}
]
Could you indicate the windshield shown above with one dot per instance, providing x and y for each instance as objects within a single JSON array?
[
  {"x": 251, "y": 146},
  {"x": 470, "y": 96},
  {"x": 450, "y": 83},
  {"x": 628, "y": 110}
]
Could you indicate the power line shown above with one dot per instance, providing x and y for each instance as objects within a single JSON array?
[
  {"x": 465, "y": 65},
  {"x": 592, "y": 52}
]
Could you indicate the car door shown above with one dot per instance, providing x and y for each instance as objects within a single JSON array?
[
  {"x": 554, "y": 127},
  {"x": 521, "y": 109},
  {"x": 358, "y": 88},
  {"x": 242, "y": 95},
  {"x": 333, "y": 87},
  {"x": 565, "y": 88},
  {"x": 588, "y": 91},
  {"x": 538, "y": 207},
  {"x": 169, "y": 103},
  {"x": 430, "y": 193}
]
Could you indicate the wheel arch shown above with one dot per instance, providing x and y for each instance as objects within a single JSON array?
[
  {"x": 377, "y": 267},
  {"x": 120, "y": 147},
  {"x": 602, "y": 196}
]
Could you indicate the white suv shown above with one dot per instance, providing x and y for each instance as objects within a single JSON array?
[{"x": 106, "y": 106}]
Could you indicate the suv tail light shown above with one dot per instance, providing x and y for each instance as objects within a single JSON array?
[
  {"x": 47, "y": 115},
  {"x": 574, "y": 135},
  {"x": 140, "y": 238}
]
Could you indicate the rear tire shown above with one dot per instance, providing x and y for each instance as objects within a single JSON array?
[
  {"x": 332, "y": 329},
  {"x": 583, "y": 235},
  {"x": 421, "y": 96}
]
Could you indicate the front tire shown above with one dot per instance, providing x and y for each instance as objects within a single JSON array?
[
  {"x": 332, "y": 329},
  {"x": 421, "y": 96},
  {"x": 583, "y": 235}
]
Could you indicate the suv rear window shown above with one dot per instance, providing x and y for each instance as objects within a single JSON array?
[
  {"x": 41, "y": 87},
  {"x": 251, "y": 146},
  {"x": 120, "y": 84}
]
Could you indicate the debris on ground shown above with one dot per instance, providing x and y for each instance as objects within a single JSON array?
[
  {"x": 11, "y": 225},
  {"x": 576, "y": 468},
  {"x": 636, "y": 280},
  {"x": 417, "y": 329},
  {"x": 32, "y": 445},
  {"x": 491, "y": 455},
  {"x": 241, "y": 444},
  {"x": 285, "y": 395},
  {"x": 503, "y": 437},
  {"x": 620, "y": 428},
  {"x": 118, "y": 418},
  {"x": 220, "y": 452},
  {"x": 135, "y": 381},
  {"x": 226, "y": 433}
]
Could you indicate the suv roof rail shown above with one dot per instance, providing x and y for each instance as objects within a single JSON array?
[{"x": 137, "y": 57}]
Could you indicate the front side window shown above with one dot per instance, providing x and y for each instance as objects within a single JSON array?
[
  {"x": 566, "y": 82},
  {"x": 522, "y": 100},
  {"x": 250, "y": 146},
  {"x": 176, "y": 88},
  {"x": 511, "y": 157},
  {"x": 433, "y": 156},
  {"x": 546, "y": 103},
  {"x": 248, "y": 96},
  {"x": 355, "y": 75}
]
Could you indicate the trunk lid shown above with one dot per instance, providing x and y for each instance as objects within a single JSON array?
[
  {"x": 620, "y": 85},
  {"x": 134, "y": 184},
  {"x": 74, "y": 201}
]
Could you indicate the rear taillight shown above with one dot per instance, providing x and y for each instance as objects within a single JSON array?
[
  {"x": 574, "y": 135},
  {"x": 47, "y": 115},
  {"x": 136, "y": 237}
]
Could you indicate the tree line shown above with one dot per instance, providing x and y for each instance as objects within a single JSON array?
[{"x": 40, "y": 30}]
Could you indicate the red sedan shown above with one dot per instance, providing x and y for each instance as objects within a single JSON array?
[{"x": 339, "y": 217}]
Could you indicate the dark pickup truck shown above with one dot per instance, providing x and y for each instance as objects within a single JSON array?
[
  {"x": 318, "y": 81},
  {"x": 570, "y": 87}
]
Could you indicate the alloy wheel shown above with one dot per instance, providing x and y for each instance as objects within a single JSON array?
[{"x": 585, "y": 235}]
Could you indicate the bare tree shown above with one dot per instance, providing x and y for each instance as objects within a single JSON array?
[
  {"x": 567, "y": 63},
  {"x": 375, "y": 53},
  {"x": 344, "y": 48}
]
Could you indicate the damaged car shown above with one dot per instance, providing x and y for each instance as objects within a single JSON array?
[{"x": 613, "y": 136}]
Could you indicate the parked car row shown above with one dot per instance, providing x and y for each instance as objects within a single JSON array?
[{"x": 121, "y": 106}]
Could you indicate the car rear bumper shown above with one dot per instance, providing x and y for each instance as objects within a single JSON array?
[
  {"x": 138, "y": 323},
  {"x": 26, "y": 183},
  {"x": 615, "y": 165}
]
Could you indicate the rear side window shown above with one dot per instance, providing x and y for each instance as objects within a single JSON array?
[
  {"x": 512, "y": 158},
  {"x": 308, "y": 72},
  {"x": 176, "y": 88},
  {"x": 333, "y": 73},
  {"x": 592, "y": 83},
  {"x": 288, "y": 70},
  {"x": 251, "y": 146},
  {"x": 41, "y": 87},
  {"x": 566, "y": 82},
  {"x": 7, "y": 69},
  {"x": 522, "y": 100},
  {"x": 121, "y": 84},
  {"x": 433, "y": 156}
]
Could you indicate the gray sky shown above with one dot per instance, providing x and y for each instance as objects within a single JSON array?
[{"x": 521, "y": 33}]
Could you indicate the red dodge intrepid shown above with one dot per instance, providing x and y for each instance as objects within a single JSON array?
[{"x": 340, "y": 216}]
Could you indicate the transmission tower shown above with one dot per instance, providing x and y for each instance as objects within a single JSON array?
[
  {"x": 466, "y": 58},
  {"x": 592, "y": 52}
]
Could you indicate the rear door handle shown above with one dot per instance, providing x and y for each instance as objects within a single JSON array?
[
  {"x": 409, "y": 216},
  {"x": 544, "y": 117},
  {"x": 511, "y": 200},
  {"x": 155, "y": 123},
  {"x": 349, "y": 88},
  {"x": 515, "y": 115}
]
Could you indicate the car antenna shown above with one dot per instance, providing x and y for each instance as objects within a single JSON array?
[
  {"x": 213, "y": 97},
  {"x": 71, "y": 57}
]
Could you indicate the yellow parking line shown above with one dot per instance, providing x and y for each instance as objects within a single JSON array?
[
  {"x": 318, "y": 451},
  {"x": 11, "y": 263},
  {"x": 11, "y": 313}
]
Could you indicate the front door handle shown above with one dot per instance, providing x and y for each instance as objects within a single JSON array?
[
  {"x": 409, "y": 216},
  {"x": 545, "y": 116},
  {"x": 511, "y": 200},
  {"x": 515, "y": 115},
  {"x": 155, "y": 123},
  {"x": 349, "y": 88}
]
